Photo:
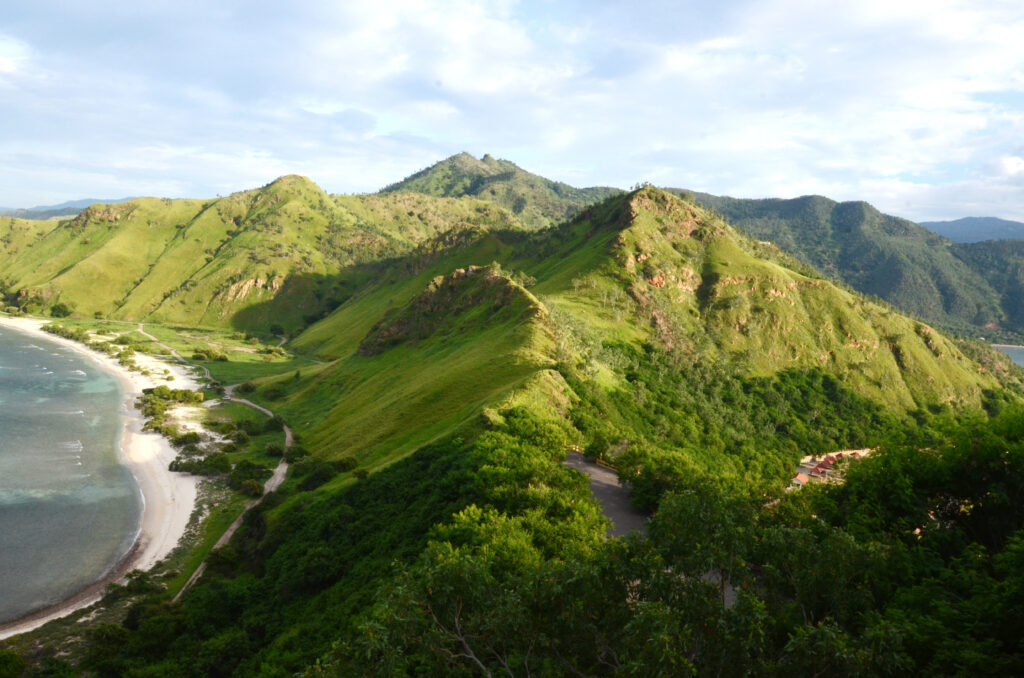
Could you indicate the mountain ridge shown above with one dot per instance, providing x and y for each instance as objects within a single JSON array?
[{"x": 977, "y": 229}]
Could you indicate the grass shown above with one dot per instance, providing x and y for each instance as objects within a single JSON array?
[
  {"x": 246, "y": 261},
  {"x": 382, "y": 406}
]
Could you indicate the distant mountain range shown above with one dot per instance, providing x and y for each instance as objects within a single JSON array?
[
  {"x": 977, "y": 229},
  {"x": 70, "y": 208}
]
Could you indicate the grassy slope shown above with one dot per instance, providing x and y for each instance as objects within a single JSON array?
[
  {"x": 891, "y": 258},
  {"x": 536, "y": 201},
  {"x": 647, "y": 268},
  {"x": 697, "y": 285},
  {"x": 466, "y": 340},
  {"x": 247, "y": 261}
]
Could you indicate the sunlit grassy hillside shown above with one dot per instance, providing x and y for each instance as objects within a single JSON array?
[{"x": 265, "y": 257}]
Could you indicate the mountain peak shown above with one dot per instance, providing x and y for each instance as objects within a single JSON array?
[{"x": 536, "y": 201}]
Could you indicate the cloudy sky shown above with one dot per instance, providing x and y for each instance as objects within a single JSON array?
[{"x": 916, "y": 107}]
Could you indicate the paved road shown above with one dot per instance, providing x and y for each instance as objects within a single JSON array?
[{"x": 611, "y": 495}]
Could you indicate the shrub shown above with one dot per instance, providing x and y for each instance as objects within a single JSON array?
[
  {"x": 60, "y": 310},
  {"x": 251, "y": 488},
  {"x": 319, "y": 474}
]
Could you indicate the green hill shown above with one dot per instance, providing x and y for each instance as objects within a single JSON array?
[
  {"x": 1001, "y": 263},
  {"x": 698, "y": 286},
  {"x": 536, "y": 201},
  {"x": 893, "y": 259},
  {"x": 246, "y": 261},
  {"x": 644, "y": 269}
]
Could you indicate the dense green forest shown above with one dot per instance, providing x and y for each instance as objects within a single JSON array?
[{"x": 443, "y": 356}]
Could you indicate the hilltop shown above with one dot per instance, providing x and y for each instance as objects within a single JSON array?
[{"x": 537, "y": 202}]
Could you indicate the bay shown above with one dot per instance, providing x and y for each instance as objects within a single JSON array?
[{"x": 69, "y": 512}]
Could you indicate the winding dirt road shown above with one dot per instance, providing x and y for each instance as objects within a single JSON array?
[{"x": 274, "y": 482}]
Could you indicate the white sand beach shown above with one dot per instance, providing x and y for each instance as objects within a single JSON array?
[{"x": 168, "y": 497}]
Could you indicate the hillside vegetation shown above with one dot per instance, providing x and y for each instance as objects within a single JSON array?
[
  {"x": 647, "y": 331},
  {"x": 536, "y": 201},
  {"x": 877, "y": 254},
  {"x": 644, "y": 274},
  {"x": 1001, "y": 263},
  {"x": 428, "y": 525},
  {"x": 248, "y": 261}
]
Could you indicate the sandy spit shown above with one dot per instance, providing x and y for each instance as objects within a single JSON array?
[{"x": 168, "y": 498}]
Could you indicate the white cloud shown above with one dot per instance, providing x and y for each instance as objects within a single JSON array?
[
  {"x": 13, "y": 54},
  {"x": 894, "y": 103}
]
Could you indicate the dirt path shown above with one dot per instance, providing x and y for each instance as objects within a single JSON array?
[
  {"x": 177, "y": 356},
  {"x": 611, "y": 495},
  {"x": 274, "y": 482}
]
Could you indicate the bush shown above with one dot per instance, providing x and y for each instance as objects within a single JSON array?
[
  {"x": 319, "y": 474},
  {"x": 11, "y": 665},
  {"x": 274, "y": 450},
  {"x": 347, "y": 463},
  {"x": 249, "y": 427},
  {"x": 190, "y": 438},
  {"x": 60, "y": 310},
  {"x": 294, "y": 453},
  {"x": 251, "y": 488}
]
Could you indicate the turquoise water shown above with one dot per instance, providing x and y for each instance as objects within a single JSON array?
[
  {"x": 1016, "y": 353},
  {"x": 68, "y": 511}
]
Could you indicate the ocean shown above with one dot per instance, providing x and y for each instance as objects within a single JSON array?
[
  {"x": 1016, "y": 353},
  {"x": 69, "y": 512}
]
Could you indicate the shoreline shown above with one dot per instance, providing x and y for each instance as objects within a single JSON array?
[
  {"x": 1006, "y": 346},
  {"x": 168, "y": 498}
]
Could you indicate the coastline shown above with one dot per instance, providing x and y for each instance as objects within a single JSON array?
[
  {"x": 1006, "y": 346},
  {"x": 168, "y": 498}
]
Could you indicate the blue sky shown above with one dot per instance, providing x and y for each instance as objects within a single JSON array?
[{"x": 916, "y": 107}]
